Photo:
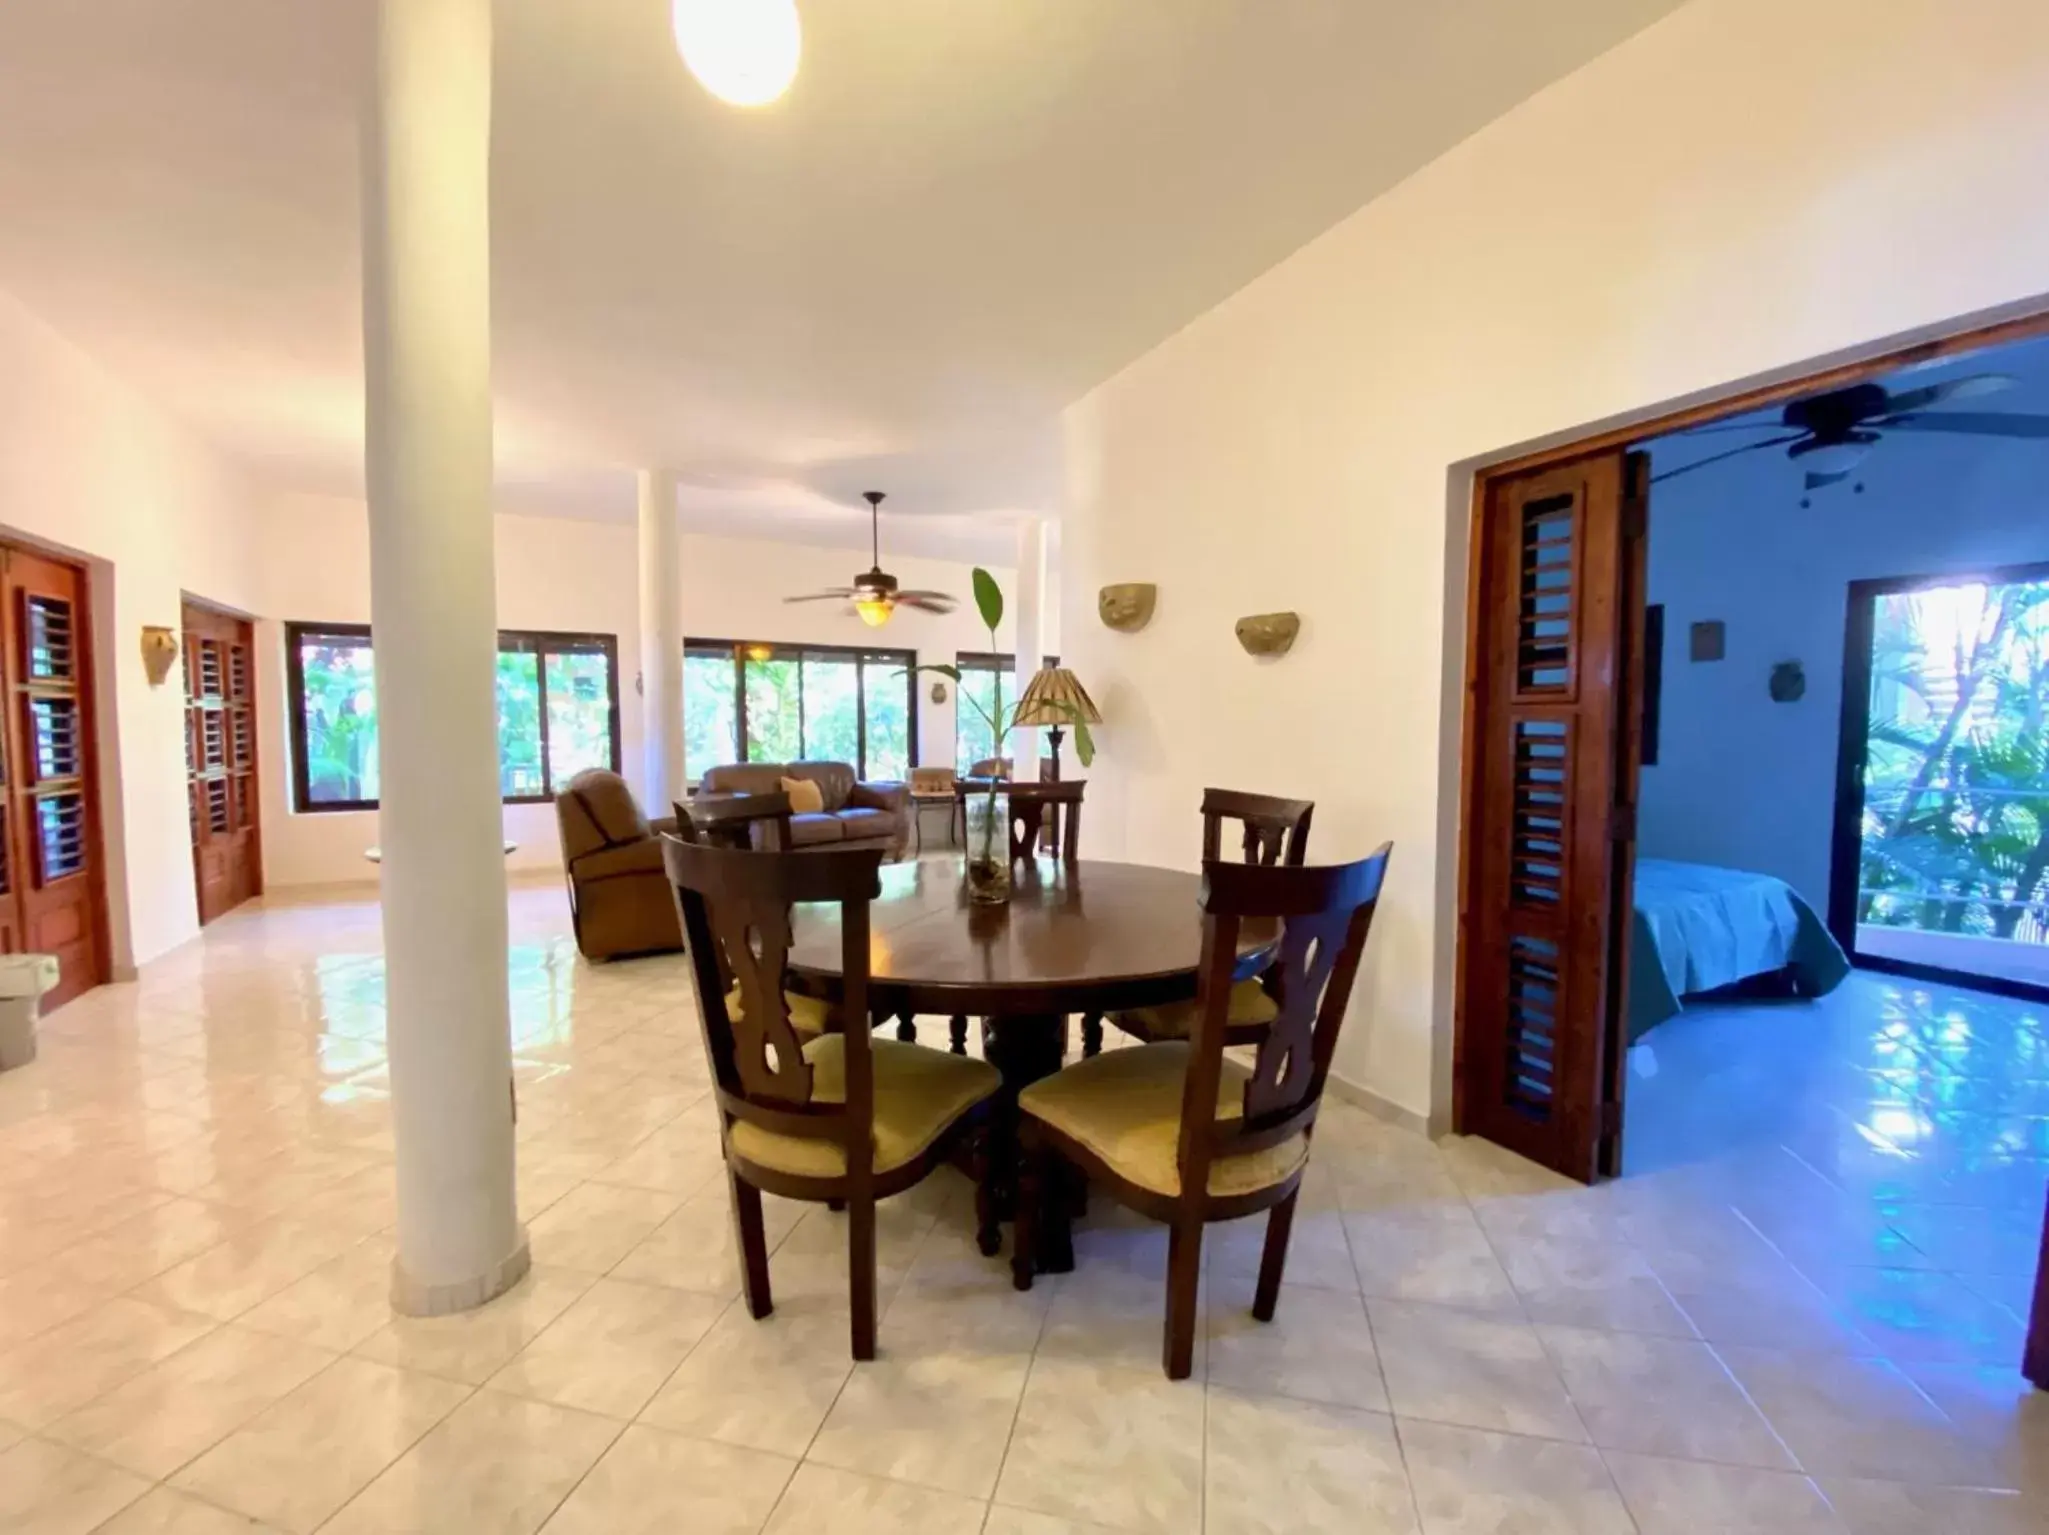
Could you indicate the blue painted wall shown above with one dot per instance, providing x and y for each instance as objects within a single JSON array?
[{"x": 1749, "y": 783}]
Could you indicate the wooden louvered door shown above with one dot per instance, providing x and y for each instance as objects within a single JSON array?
[
  {"x": 55, "y": 882},
  {"x": 220, "y": 759},
  {"x": 1550, "y": 805}
]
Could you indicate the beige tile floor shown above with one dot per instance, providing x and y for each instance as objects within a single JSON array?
[{"x": 195, "y": 1214}]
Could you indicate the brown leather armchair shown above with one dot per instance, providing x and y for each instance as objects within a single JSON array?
[{"x": 619, "y": 896}]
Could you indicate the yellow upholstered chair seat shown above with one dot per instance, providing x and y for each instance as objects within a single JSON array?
[
  {"x": 919, "y": 1093},
  {"x": 1176, "y": 1020},
  {"x": 808, "y": 1015},
  {"x": 1125, "y": 1107}
]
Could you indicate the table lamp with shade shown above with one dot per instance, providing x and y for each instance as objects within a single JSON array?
[{"x": 1053, "y": 699}]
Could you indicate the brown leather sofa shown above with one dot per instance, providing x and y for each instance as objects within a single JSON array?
[
  {"x": 619, "y": 896},
  {"x": 856, "y": 814}
]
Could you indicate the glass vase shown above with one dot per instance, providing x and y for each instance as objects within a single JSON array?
[{"x": 988, "y": 850}]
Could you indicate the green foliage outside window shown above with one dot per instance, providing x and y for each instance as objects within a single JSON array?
[
  {"x": 774, "y": 703},
  {"x": 1956, "y": 784},
  {"x": 337, "y": 704}
]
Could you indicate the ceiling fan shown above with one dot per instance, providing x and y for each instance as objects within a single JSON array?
[
  {"x": 874, "y": 594},
  {"x": 1828, "y": 434}
]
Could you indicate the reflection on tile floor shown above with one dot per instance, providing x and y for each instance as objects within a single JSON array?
[{"x": 1800, "y": 1312}]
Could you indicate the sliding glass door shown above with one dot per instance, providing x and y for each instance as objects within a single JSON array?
[{"x": 1942, "y": 821}]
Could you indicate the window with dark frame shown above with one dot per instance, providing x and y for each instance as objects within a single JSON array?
[
  {"x": 758, "y": 701},
  {"x": 558, "y": 713},
  {"x": 973, "y": 741}
]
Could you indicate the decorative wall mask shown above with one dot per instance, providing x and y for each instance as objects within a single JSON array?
[
  {"x": 159, "y": 652},
  {"x": 1788, "y": 682},
  {"x": 1269, "y": 634},
  {"x": 1128, "y": 606},
  {"x": 939, "y": 692}
]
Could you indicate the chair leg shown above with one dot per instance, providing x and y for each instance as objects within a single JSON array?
[
  {"x": 861, "y": 1273},
  {"x": 907, "y": 1028},
  {"x": 1184, "y": 1284},
  {"x": 988, "y": 1233},
  {"x": 1091, "y": 1035},
  {"x": 1274, "y": 1257},
  {"x": 958, "y": 1028},
  {"x": 1031, "y": 1198},
  {"x": 752, "y": 1239}
]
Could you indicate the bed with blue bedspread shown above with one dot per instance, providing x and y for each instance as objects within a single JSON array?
[{"x": 1699, "y": 928}]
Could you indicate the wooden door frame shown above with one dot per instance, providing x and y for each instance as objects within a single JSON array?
[{"x": 1739, "y": 401}]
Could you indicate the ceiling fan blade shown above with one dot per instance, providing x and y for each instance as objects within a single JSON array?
[
  {"x": 926, "y": 602},
  {"x": 1969, "y": 423},
  {"x": 836, "y": 594},
  {"x": 1954, "y": 389},
  {"x": 1716, "y": 458},
  {"x": 1731, "y": 426}
]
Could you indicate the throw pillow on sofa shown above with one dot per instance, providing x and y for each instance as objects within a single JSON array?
[{"x": 805, "y": 796}]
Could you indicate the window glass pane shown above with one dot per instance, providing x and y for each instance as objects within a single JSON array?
[
  {"x": 519, "y": 724},
  {"x": 832, "y": 710},
  {"x": 774, "y": 723},
  {"x": 889, "y": 725},
  {"x": 340, "y": 706},
  {"x": 579, "y": 714},
  {"x": 973, "y": 739},
  {"x": 711, "y": 715},
  {"x": 1954, "y": 871}
]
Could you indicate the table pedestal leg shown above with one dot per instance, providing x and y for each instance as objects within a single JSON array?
[{"x": 1024, "y": 1048}]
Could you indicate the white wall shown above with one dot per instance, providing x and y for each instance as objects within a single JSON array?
[
  {"x": 1740, "y": 189},
  {"x": 564, "y": 575},
  {"x": 90, "y": 468},
  {"x": 1749, "y": 783}
]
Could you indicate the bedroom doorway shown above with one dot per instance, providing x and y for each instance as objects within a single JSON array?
[
  {"x": 1941, "y": 850},
  {"x": 1557, "y": 656}
]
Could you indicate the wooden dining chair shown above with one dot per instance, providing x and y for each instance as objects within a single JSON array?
[
  {"x": 1271, "y": 830},
  {"x": 1180, "y": 1133},
  {"x": 1046, "y": 817},
  {"x": 728, "y": 821},
  {"x": 842, "y": 1117}
]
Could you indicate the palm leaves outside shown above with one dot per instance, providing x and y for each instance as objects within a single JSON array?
[{"x": 1956, "y": 811}]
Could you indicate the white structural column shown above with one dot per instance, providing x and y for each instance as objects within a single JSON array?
[
  {"x": 1028, "y": 630},
  {"x": 661, "y": 645},
  {"x": 427, "y": 373}
]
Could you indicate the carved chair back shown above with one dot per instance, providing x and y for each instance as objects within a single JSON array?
[
  {"x": 1273, "y": 830},
  {"x": 736, "y": 911},
  {"x": 729, "y": 820},
  {"x": 1048, "y": 812},
  {"x": 1325, "y": 914}
]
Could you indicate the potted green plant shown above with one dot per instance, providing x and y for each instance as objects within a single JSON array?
[{"x": 988, "y": 837}]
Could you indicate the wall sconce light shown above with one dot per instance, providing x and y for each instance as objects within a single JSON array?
[{"x": 159, "y": 651}]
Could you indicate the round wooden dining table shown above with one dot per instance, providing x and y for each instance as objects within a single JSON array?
[{"x": 1089, "y": 937}]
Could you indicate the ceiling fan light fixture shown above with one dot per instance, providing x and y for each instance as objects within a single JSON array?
[
  {"x": 874, "y": 610},
  {"x": 1833, "y": 459},
  {"x": 744, "y": 52}
]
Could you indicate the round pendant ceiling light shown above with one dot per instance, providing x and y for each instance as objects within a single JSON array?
[{"x": 744, "y": 52}]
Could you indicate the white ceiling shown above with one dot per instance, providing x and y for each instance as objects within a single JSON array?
[{"x": 965, "y": 215}]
